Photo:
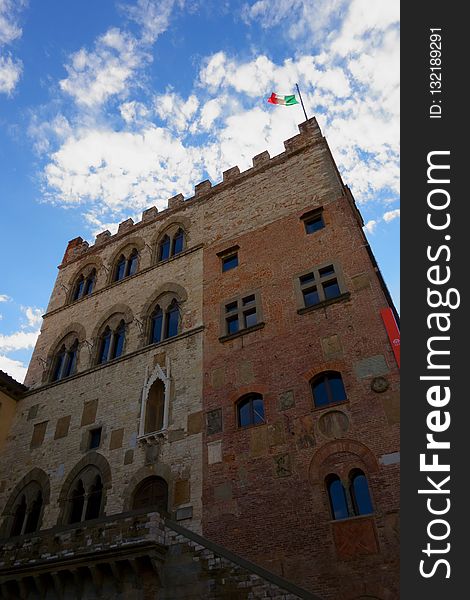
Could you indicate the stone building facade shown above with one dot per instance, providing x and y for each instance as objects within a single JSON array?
[{"x": 224, "y": 363}]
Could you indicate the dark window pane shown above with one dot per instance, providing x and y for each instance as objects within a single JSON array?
[
  {"x": 248, "y": 299},
  {"x": 230, "y": 262},
  {"x": 157, "y": 321},
  {"x": 89, "y": 285},
  {"x": 311, "y": 296},
  {"x": 338, "y": 502},
  {"x": 232, "y": 324},
  {"x": 71, "y": 363},
  {"x": 329, "y": 270},
  {"x": 258, "y": 411},
  {"x": 120, "y": 269},
  {"x": 119, "y": 342},
  {"x": 78, "y": 289},
  {"x": 250, "y": 317},
  {"x": 320, "y": 393},
  {"x": 95, "y": 438},
  {"x": 164, "y": 252},
  {"x": 360, "y": 495},
  {"x": 104, "y": 350},
  {"x": 77, "y": 500},
  {"x": 58, "y": 366},
  {"x": 94, "y": 503},
  {"x": 231, "y": 306},
  {"x": 172, "y": 321},
  {"x": 132, "y": 268},
  {"x": 32, "y": 521},
  {"x": 245, "y": 414},
  {"x": 337, "y": 391},
  {"x": 20, "y": 513},
  {"x": 331, "y": 289},
  {"x": 307, "y": 278},
  {"x": 178, "y": 242},
  {"x": 153, "y": 492},
  {"x": 314, "y": 224}
]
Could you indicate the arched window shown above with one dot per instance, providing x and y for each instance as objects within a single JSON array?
[
  {"x": 65, "y": 361},
  {"x": 27, "y": 510},
  {"x": 250, "y": 410},
  {"x": 328, "y": 388},
  {"x": 359, "y": 491},
  {"x": 164, "y": 324},
  {"x": 132, "y": 262},
  {"x": 78, "y": 290},
  {"x": 156, "y": 325},
  {"x": 120, "y": 268},
  {"x": 151, "y": 493},
  {"x": 164, "y": 248},
  {"x": 172, "y": 320},
  {"x": 178, "y": 242},
  {"x": 85, "y": 496},
  {"x": 89, "y": 283},
  {"x": 171, "y": 244},
  {"x": 112, "y": 343},
  {"x": 155, "y": 408},
  {"x": 337, "y": 497}
]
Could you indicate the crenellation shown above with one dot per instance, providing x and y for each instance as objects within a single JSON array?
[
  {"x": 149, "y": 214},
  {"x": 175, "y": 201},
  {"x": 261, "y": 159},
  {"x": 125, "y": 226},
  {"x": 102, "y": 237},
  {"x": 231, "y": 173},
  {"x": 201, "y": 188}
]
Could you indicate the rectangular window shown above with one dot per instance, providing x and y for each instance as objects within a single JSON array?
[
  {"x": 229, "y": 262},
  {"x": 320, "y": 285},
  {"x": 95, "y": 438},
  {"x": 313, "y": 220},
  {"x": 241, "y": 314}
]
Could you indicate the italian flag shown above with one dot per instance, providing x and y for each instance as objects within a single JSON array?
[{"x": 285, "y": 100}]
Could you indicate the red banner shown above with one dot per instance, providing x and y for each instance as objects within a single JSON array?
[{"x": 392, "y": 331}]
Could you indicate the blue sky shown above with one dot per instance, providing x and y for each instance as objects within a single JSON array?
[{"x": 109, "y": 107}]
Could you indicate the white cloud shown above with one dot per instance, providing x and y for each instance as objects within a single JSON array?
[
  {"x": 10, "y": 72},
  {"x": 370, "y": 226},
  {"x": 95, "y": 76},
  {"x": 175, "y": 111},
  {"x": 391, "y": 214},
  {"x": 14, "y": 368},
  {"x": 4, "y": 298},
  {"x": 20, "y": 340},
  {"x": 33, "y": 315},
  {"x": 153, "y": 16},
  {"x": 10, "y": 68}
]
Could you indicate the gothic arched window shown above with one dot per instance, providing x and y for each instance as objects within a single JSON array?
[
  {"x": 85, "y": 496},
  {"x": 65, "y": 360},
  {"x": 156, "y": 327},
  {"x": 164, "y": 248},
  {"x": 328, "y": 388},
  {"x": 155, "y": 408},
  {"x": 27, "y": 510},
  {"x": 112, "y": 342},
  {"x": 164, "y": 322},
  {"x": 178, "y": 242},
  {"x": 172, "y": 320},
  {"x": 151, "y": 493},
  {"x": 171, "y": 244}
]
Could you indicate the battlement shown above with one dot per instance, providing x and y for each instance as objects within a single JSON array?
[{"x": 309, "y": 132}]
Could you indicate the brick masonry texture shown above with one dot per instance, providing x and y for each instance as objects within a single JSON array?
[{"x": 256, "y": 491}]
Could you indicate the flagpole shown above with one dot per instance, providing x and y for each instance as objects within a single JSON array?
[{"x": 301, "y": 101}]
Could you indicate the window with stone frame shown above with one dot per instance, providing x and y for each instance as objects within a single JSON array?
[
  {"x": 126, "y": 264},
  {"x": 155, "y": 408},
  {"x": 250, "y": 410},
  {"x": 152, "y": 492},
  {"x": 27, "y": 510},
  {"x": 241, "y": 314},
  {"x": 165, "y": 319},
  {"x": 320, "y": 285},
  {"x": 111, "y": 341},
  {"x": 313, "y": 220},
  {"x": 84, "y": 284},
  {"x": 64, "y": 362},
  {"x": 350, "y": 500},
  {"x": 327, "y": 388},
  {"x": 228, "y": 258},
  {"x": 85, "y": 496},
  {"x": 171, "y": 243}
]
